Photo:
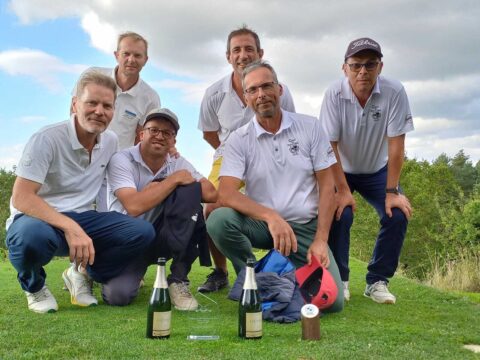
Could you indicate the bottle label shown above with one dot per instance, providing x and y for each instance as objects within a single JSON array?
[
  {"x": 253, "y": 325},
  {"x": 161, "y": 323}
]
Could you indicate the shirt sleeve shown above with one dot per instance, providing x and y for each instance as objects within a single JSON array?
[
  {"x": 234, "y": 159},
  {"x": 321, "y": 151},
  {"x": 121, "y": 172},
  {"x": 152, "y": 102},
  {"x": 287, "y": 100},
  {"x": 208, "y": 119},
  {"x": 329, "y": 115},
  {"x": 36, "y": 159},
  {"x": 400, "y": 116}
]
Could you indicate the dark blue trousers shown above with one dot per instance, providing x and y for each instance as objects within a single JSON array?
[
  {"x": 117, "y": 240},
  {"x": 388, "y": 245}
]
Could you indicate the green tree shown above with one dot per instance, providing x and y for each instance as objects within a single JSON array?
[
  {"x": 465, "y": 173},
  {"x": 6, "y": 184}
]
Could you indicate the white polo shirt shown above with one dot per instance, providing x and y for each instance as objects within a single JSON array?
[
  {"x": 278, "y": 169},
  {"x": 362, "y": 133},
  {"x": 131, "y": 107},
  {"x": 223, "y": 111},
  {"x": 128, "y": 170},
  {"x": 55, "y": 158}
]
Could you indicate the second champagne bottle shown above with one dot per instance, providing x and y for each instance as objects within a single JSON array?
[
  {"x": 250, "y": 307},
  {"x": 160, "y": 307}
]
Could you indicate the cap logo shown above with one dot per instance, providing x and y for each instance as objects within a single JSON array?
[{"x": 363, "y": 42}]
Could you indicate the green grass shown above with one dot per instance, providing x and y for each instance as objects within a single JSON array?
[{"x": 424, "y": 324}]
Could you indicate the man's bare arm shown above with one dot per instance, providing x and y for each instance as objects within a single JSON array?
[
  {"x": 209, "y": 193},
  {"x": 396, "y": 154},
  {"x": 343, "y": 196},
  {"x": 212, "y": 138},
  {"x": 139, "y": 202},
  {"x": 26, "y": 200},
  {"x": 326, "y": 210}
]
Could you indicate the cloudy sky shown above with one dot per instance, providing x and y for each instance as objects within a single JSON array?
[{"x": 433, "y": 47}]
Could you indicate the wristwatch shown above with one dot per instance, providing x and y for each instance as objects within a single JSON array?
[{"x": 393, "y": 190}]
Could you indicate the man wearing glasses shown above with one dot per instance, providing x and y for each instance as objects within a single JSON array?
[
  {"x": 285, "y": 161},
  {"x": 224, "y": 110},
  {"x": 140, "y": 181},
  {"x": 366, "y": 117}
]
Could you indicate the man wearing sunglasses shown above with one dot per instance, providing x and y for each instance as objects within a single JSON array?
[
  {"x": 366, "y": 117},
  {"x": 140, "y": 180}
]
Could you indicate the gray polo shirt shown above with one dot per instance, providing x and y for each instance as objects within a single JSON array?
[
  {"x": 55, "y": 158},
  {"x": 223, "y": 111},
  {"x": 362, "y": 133},
  {"x": 279, "y": 169},
  {"x": 128, "y": 170}
]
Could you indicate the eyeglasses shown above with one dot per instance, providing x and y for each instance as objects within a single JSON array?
[
  {"x": 369, "y": 66},
  {"x": 167, "y": 134},
  {"x": 266, "y": 87}
]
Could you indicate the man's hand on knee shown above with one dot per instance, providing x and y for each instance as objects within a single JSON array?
[
  {"x": 80, "y": 245},
  {"x": 398, "y": 201},
  {"x": 284, "y": 239}
]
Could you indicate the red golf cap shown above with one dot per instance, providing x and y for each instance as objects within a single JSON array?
[{"x": 317, "y": 285}]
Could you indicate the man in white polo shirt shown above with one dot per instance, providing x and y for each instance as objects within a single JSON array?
[
  {"x": 366, "y": 117},
  {"x": 224, "y": 110},
  {"x": 58, "y": 176},
  {"x": 285, "y": 161},
  {"x": 135, "y": 98},
  {"x": 140, "y": 180}
]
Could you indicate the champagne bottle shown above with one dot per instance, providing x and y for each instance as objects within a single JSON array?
[
  {"x": 159, "y": 307},
  {"x": 250, "y": 307}
]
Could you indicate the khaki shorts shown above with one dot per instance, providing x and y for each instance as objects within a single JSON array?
[{"x": 215, "y": 172}]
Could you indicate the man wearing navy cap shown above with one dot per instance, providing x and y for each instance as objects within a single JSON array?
[{"x": 366, "y": 117}]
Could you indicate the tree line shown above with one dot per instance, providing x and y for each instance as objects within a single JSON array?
[{"x": 445, "y": 195}]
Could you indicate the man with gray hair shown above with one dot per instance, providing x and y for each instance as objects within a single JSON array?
[
  {"x": 366, "y": 117},
  {"x": 135, "y": 98},
  {"x": 291, "y": 213},
  {"x": 224, "y": 110},
  {"x": 59, "y": 174}
]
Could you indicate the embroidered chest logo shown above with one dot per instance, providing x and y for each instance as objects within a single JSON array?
[
  {"x": 293, "y": 146},
  {"x": 375, "y": 112}
]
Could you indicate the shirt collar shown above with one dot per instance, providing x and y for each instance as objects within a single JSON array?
[
  {"x": 133, "y": 91},
  {"x": 346, "y": 91},
  {"x": 285, "y": 124},
  {"x": 73, "y": 137},
  {"x": 227, "y": 86},
  {"x": 137, "y": 157}
]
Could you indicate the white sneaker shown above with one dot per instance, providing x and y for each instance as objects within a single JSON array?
[
  {"x": 42, "y": 301},
  {"x": 181, "y": 297},
  {"x": 346, "y": 292},
  {"x": 379, "y": 293},
  {"x": 80, "y": 287}
]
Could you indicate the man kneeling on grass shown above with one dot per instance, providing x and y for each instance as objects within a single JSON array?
[
  {"x": 285, "y": 161},
  {"x": 58, "y": 177},
  {"x": 145, "y": 181}
]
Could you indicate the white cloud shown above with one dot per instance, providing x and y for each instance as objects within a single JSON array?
[
  {"x": 192, "y": 92},
  {"x": 29, "y": 119},
  {"x": 102, "y": 35},
  {"x": 9, "y": 156},
  {"x": 42, "y": 67},
  {"x": 429, "y": 46}
]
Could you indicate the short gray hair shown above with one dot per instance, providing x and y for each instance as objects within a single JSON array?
[
  {"x": 95, "y": 77},
  {"x": 135, "y": 37},
  {"x": 257, "y": 65}
]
